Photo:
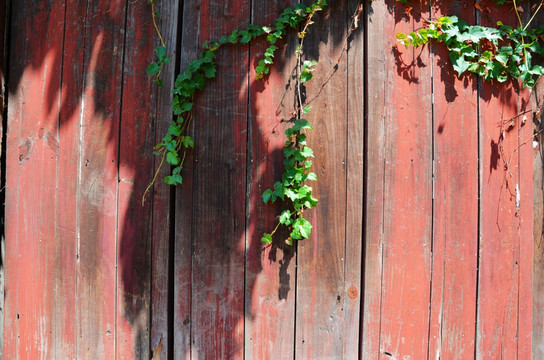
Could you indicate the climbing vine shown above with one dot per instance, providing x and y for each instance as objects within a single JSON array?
[
  {"x": 496, "y": 53},
  {"x": 175, "y": 144}
]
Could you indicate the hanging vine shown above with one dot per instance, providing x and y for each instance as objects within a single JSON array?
[{"x": 494, "y": 53}]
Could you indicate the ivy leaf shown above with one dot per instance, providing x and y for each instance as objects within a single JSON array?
[
  {"x": 301, "y": 229},
  {"x": 285, "y": 218},
  {"x": 306, "y": 76},
  {"x": 173, "y": 179},
  {"x": 160, "y": 51},
  {"x": 306, "y": 109},
  {"x": 302, "y": 124},
  {"x": 267, "y": 238},
  {"x": 266, "y": 196},
  {"x": 312, "y": 176},
  {"x": 460, "y": 65},
  {"x": 172, "y": 158},
  {"x": 153, "y": 69},
  {"x": 187, "y": 142},
  {"x": 307, "y": 152},
  {"x": 209, "y": 70},
  {"x": 176, "y": 170}
]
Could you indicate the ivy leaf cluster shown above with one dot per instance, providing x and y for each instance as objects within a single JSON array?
[
  {"x": 176, "y": 142},
  {"x": 494, "y": 53},
  {"x": 292, "y": 188},
  {"x": 155, "y": 68}
]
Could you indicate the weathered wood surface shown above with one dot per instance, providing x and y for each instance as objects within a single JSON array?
[
  {"x": 270, "y": 272},
  {"x": 455, "y": 213},
  {"x": 503, "y": 329},
  {"x": 399, "y": 189},
  {"x": 418, "y": 250}
]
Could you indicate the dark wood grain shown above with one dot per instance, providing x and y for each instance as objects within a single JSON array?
[{"x": 321, "y": 258}]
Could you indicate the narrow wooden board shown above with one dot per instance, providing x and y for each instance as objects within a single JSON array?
[
  {"x": 399, "y": 174},
  {"x": 218, "y": 235},
  {"x": 183, "y": 223},
  {"x": 134, "y": 222},
  {"x": 538, "y": 230},
  {"x": 162, "y": 287},
  {"x": 32, "y": 157},
  {"x": 455, "y": 214},
  {"x": 378, "y": 93},
  {"x": 68, "y": 179},
  {"x": 321, "y": 259},
  {"x": 502, "y": 330},
  {"x": 98, "y": 188},
  {"x": 353, "y": 264},
  {"x": 270, "y": 270}
]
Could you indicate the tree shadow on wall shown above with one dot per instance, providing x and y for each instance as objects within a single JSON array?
[{"x": 101, "y": 110}]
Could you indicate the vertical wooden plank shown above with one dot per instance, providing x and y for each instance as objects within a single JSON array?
[
  {"x": 378, "y": 67},
  {"x": 354, "y": 188},
  {"x": 220, "y": 128},
  {"x": 4, "y": 22},
  {"x": 321, "y": 259},
  {"x": 68, "y": 180},
  {"x": 167, "y": 22},
  {"x": 455, "y": 216},
  {"x": 270, "y": 271},
  {"x": 538, "y": 230},
  {"x": 31, "y": 157},
  {"x": 502, "y": 329},
  {"x": 183, "y": 224},
  {"x": 135, "y": 237},
  {"x": 98, "y": 189},
  {"x": 399, "y": 175}
]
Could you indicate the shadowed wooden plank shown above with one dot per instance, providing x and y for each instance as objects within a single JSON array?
[
  {"x": 190, "y": 46},
  {"x": 270, "y": 271},
  {"x": 135, "y": 236},
  {"x": 353, "y": 267},
  {"x": 455, "y": 238},
  {"x": 161, "y": 311},
  {"x": 32, "y": 157},
  {"x": 220, "y": 128},
  {"x": 98, "y": 198},
  {"x": 321, "y": 259},
  {"x": 67, "y": 206}
]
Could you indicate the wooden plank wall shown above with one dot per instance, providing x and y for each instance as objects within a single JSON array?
[{"x": 418, "y": 251}]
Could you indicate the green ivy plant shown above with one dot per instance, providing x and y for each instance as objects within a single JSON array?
[
  {"x": 176, "y": 142},
  {"x": 494, "y": 53}
]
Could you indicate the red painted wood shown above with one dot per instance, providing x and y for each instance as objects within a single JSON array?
[
  {"x": 134, "y": 244},
  {"x": 398, "y": 321},
  {"x": 455, "y": 215},
  {"x": 354, "y": 187},
  {"x": 98, "y": 189},
  {"x": 321, "y": 262},
  {"x": 218, "y": 233},
  {"x": 538, "y": 230},
  {"x": 503, "y": 331},
  {"x": 375, "y": 127},
  {"x": 32, "y": 157},
  {"x": 68, "y": 179},
  {"x": 270, "y": 271}
]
